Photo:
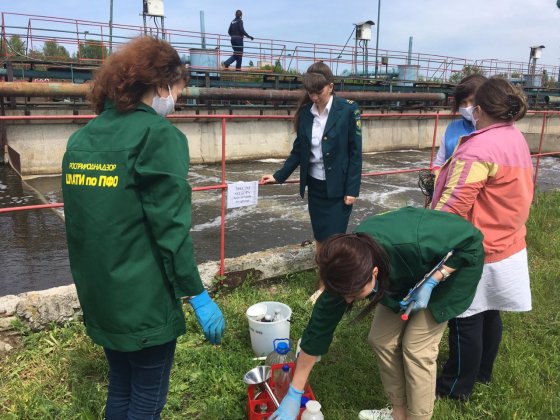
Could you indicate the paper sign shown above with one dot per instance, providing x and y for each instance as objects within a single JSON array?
[{"x": 242, "y": 194}]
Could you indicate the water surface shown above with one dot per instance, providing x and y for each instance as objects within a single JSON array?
[{"x": 33, "y": 255}]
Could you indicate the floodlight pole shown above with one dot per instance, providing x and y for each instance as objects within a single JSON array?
[
  {"x": 110, "y": 26},
  {"x": 377, "y": 37}
]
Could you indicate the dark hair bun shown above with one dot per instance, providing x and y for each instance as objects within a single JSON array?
[{"x": 514, "y": 106}]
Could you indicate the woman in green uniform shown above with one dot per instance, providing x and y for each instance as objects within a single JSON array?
[
  {"x": 385, "y": 257},
  {"x": 127, "y": 204},
  {"x": 328, "y": 151}
]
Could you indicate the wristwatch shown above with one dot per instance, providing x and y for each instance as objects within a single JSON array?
[{"x": 445, "y": 274}]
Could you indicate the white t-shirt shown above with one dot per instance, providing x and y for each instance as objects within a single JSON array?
[{"x": 316, "y": 167}]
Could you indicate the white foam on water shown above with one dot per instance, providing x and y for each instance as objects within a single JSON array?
[
  {"x": 231, "y": 215},
  {"x": 392, "y": 198},
  {"x": 208, "y": 225},
  {"x": 271, "y": 160},
  {"x": 393, "y": 151},
  {"x": 2, "y": 186}
]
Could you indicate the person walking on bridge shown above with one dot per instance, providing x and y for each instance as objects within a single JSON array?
[{"x": 237, "y": 32}]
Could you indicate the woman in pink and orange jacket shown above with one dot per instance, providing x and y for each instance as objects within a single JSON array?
[{"x": 489, "y": 182}]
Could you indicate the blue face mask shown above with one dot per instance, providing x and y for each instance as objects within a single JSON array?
[{"x": 164, "y": 106}]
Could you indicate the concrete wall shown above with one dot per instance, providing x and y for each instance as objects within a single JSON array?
[
  {"x": 41, "y": 144},
  {"x": 60, "y": 304}
]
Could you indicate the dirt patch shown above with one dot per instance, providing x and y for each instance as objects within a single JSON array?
[{"x": 10, "y": 340}]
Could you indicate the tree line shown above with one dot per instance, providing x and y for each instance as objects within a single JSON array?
[{"x": 15, "y": 48}]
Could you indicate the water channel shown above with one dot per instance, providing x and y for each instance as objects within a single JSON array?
[{"x": 33, "y": 254}]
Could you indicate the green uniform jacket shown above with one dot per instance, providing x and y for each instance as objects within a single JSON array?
[
  {"x": 341, "y": 147},
  {"x": 128, "y": 215},
  {"x": 415, "y": 240}
]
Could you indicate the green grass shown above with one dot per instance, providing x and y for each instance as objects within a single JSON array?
[{"x": 60, "y": 374}]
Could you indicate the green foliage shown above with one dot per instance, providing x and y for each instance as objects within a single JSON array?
[
  {"x": 547, "y": 81},
  {"x": 59, "y": 373},
  {"x": 468, "y": 69},
  {"x": 93, "y": 50},
  {"x": 16, "y": 46},
  {"x": 52, "y": 50},
  {"x": 36, "y": 54},
  {"x": 278, "y": 69}
]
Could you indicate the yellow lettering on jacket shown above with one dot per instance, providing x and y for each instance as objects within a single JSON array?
[
  {"x": 103, "y": 181},
  {"x": 105, "y": 167}
]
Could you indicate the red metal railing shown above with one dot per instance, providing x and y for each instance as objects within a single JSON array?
[
  {"x": 76, "y": 34},
  {"x": 224, "y": 118}
]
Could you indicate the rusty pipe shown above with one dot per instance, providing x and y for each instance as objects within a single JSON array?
[
  {"x": 43, "y": 89},
  {"x": 81, "y": 90},
  {"x": 294, "y": 95}
]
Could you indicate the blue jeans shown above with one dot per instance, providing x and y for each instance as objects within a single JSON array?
[{"x": 138, "y": 382}]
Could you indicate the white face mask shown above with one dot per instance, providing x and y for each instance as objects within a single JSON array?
[
  {"x": 164, "y": 106},
  {"x": 474, "y": 121},
  {"x": 466, "y": 113}
]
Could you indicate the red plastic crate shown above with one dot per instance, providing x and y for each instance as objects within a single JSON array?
[{"x": 253, "y": 405}]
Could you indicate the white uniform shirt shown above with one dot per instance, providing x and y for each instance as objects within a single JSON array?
[{"x": 316, "y": 167}]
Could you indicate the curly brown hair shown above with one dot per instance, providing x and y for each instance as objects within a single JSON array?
[{"x": 140, "y": 65}]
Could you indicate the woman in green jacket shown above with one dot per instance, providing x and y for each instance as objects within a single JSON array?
[
  {"x": 127, "y": 205},
  {"x": 328, "y": 151},
  {"x": 385, "y": 257}
]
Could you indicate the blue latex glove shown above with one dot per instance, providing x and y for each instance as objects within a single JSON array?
[
  {"x": 289, "y": 407},
  {"x": 209, "y": 317},
  {"x": 420, "y": 296}
]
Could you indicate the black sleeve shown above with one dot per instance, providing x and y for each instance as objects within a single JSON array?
[{"x": 242, "y": 30}]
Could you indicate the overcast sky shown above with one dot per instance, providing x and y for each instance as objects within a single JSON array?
[{"x": 471, "y": 29}]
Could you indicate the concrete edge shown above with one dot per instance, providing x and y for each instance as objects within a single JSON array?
[{"x": 58, "y": 305}]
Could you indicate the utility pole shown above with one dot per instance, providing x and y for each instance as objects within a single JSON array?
[
  {"x": 110, "y": 26},
  {"x": 377, "y": 37}
]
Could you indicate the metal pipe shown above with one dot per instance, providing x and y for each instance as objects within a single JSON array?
[
  {"x": 552, "y": 99},
  {"x": 294, "y": 95},
  {"x": 43, "y": 89},
  {"x": 377, "y": 36},
  {"x": 202, "y": 30},
  {"x": 111, "y": 27},
  {"x": 81, "y": 90}
]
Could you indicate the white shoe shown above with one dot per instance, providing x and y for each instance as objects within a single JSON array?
[{"x": 383, "y": 414}]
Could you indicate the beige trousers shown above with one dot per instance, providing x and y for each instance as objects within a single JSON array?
[{"x": 407, "y": 353}]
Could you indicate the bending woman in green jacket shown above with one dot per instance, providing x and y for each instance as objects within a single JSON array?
[
  {"x": 385, "y": 257},
  {"x": 127, "y": 204}
]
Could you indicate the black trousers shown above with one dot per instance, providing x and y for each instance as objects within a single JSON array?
[
  {"x": 473, "y": 346},
  {"x": 237, "y": 45}
]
